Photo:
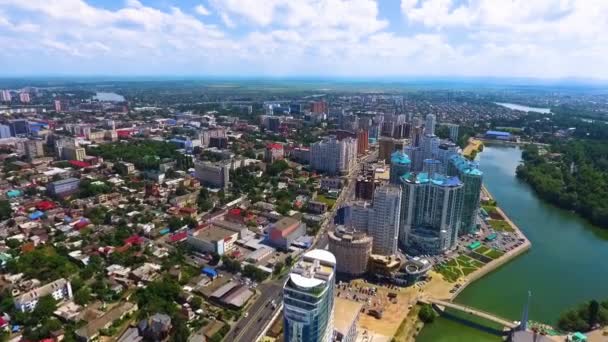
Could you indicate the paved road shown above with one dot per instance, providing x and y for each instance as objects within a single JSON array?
[{"x": 261, "y": 312}]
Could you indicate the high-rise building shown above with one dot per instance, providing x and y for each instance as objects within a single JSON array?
[
  {"x": 274, "y": 123},
  {"x": 360, "y": 216},
  {"x": 333, "y": 156},
  {"x": 19, "y": 126},
  {"x": 400, "y": 165},
  {"x": 431, "y": 213},
  {"x": 5, "y": 96},
  {"x": 5, "y": 132},
  {"x": 61, "y": 105},
  {"x": 319, "y": 107},
  {"x": 206, "y": 135},
  {"x": 34, "y": 149},
  {"x": 362, "y": 141},
  {"x": 295, "y": 108},
  {"x": 364, "y": 187},
  {"x": 429, "y": 145},
  {"x": 308, "y": 298},
  {"x": 431, "y": 166},
  {"x": 472, "y": 177},
  {"x": 352, "y": 250},
  {"x": 24, "y": 97},
  {"x": 384, "y": 219},
  {"x": 444, "y": 152},
  {"x": 453, "y": 129},
  {"x": 386, "y": 147},
  {"x": 416, "y": 157},
  {"x": 429, "y": 126},
  {"x": 72, "y": 152},
  {"x": 416, "y": 136},
  {"x": 214, "y": 175}
]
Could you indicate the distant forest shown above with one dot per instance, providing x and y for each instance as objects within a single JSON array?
[{"x": 572, "y": 175}]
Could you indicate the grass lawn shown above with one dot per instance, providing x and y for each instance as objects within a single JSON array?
[
  {"x": 448, "y": 273},
  {"x": 494, "y": 254},
  {"x": 500, "y": 225},
  {"x": 481, "y": 249},
  {"x": 463, "y": 265},
  {"x": 477, "y": 263},
  {"x": 489, "y": 209},
  {"x": 329, "y": 201},
  {"x": 468, "y": 270},
  {"x": 452, "y": 263}
]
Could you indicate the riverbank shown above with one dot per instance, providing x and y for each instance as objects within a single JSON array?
[
  {"x": 473, "y": 147},
  {"x": 444, "y": 290},
  {"x": 563, "y": 242},
  {"x": 495, "y": 264}
]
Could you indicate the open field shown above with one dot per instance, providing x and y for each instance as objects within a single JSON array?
[
  {"x": 393, "y": 312},
  {"x": 500, "y": 225},
  {"x": 462, "y": 266},
  {"x": 474, "y": 145},
  {"x": 323, "y": 199}
]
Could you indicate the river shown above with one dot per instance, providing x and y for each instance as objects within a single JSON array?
[
  {"x": 524, "y": 108},
  {"x": 565, "y": 266}
]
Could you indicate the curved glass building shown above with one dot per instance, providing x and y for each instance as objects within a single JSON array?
[
  {"x": 400, "y": 165},
  {"x": 431, "y": 212},
  {"x": 308, "y": 298}
]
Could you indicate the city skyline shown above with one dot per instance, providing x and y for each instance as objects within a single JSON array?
[{"x": 548, "y": 39}]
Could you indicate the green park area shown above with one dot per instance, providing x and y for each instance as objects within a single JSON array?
[
  {"x": 461, "y": 266},
  {"x": 500, "y": 226},
  {"x": 324, "y": 199},
  {"x": 486, "y": 252},
  {"x": 464, "y": 265}
]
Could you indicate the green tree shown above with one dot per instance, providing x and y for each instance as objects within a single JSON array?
[
  {"x": 278, "y": 267},
  {"x": 82, "y": 296},
  {"x": 594, "y": 309},
  {"x": 196, "y": 303},
  {"x": 44, "y": 309},
  {"x": 5, "y": 210},
  {"x": 427, "y": 314}
]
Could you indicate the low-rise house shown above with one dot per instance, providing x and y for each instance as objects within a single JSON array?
[
  {"x": 283, "y": 232},
  {"x": 147, "y": 272},
  {"x": 91, "y": 330},
  {"x": 213, "y": 239},
  {"x": 60, "y": 289}
]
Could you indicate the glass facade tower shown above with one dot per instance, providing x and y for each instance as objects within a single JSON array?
[{"x": 308, "y": 298}]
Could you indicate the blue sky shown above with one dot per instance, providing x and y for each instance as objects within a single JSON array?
[{"x": 320, "y": 38}]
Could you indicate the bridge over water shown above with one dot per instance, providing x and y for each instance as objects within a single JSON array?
[{"x": 472, "y": 311}]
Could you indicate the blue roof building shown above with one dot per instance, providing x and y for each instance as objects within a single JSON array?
[
  {"x": 36, "y": 215},
  {"x": 400, "y": 165},
  {"x": 210, "y": 272},
  {"x": 431, "y": 212}
]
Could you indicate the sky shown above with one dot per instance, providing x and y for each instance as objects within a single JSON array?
[{"x": 545, "y": 39}]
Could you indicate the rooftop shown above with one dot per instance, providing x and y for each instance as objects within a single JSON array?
[
  {"x": 213, "y": 234},
  {"x": 42, "y": 291},
  {"x": 345, "y": 314},
  {"x": 437, "y": 179},
  {"x": 285, "y": 223},
  {"x": 399, "y": 157},
  {"x": 315, "y": 268},
  {"x": 66, "y": 181}
]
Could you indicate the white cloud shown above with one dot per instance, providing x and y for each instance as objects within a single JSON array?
[
  {"x": 542, "y": 38},
  {"x": 202, "y": 10}
]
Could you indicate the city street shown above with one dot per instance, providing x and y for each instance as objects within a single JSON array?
[{"x": 261, "y": 312}]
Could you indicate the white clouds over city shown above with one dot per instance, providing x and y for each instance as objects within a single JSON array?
[{"x": 522, "y": 38}]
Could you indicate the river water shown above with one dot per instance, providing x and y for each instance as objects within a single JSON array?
[
  {"x": 524, "y": 108},
  {"x": 565, "y": 266}
]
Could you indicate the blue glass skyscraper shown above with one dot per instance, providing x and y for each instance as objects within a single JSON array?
[{"x": 308, "y": 298}]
